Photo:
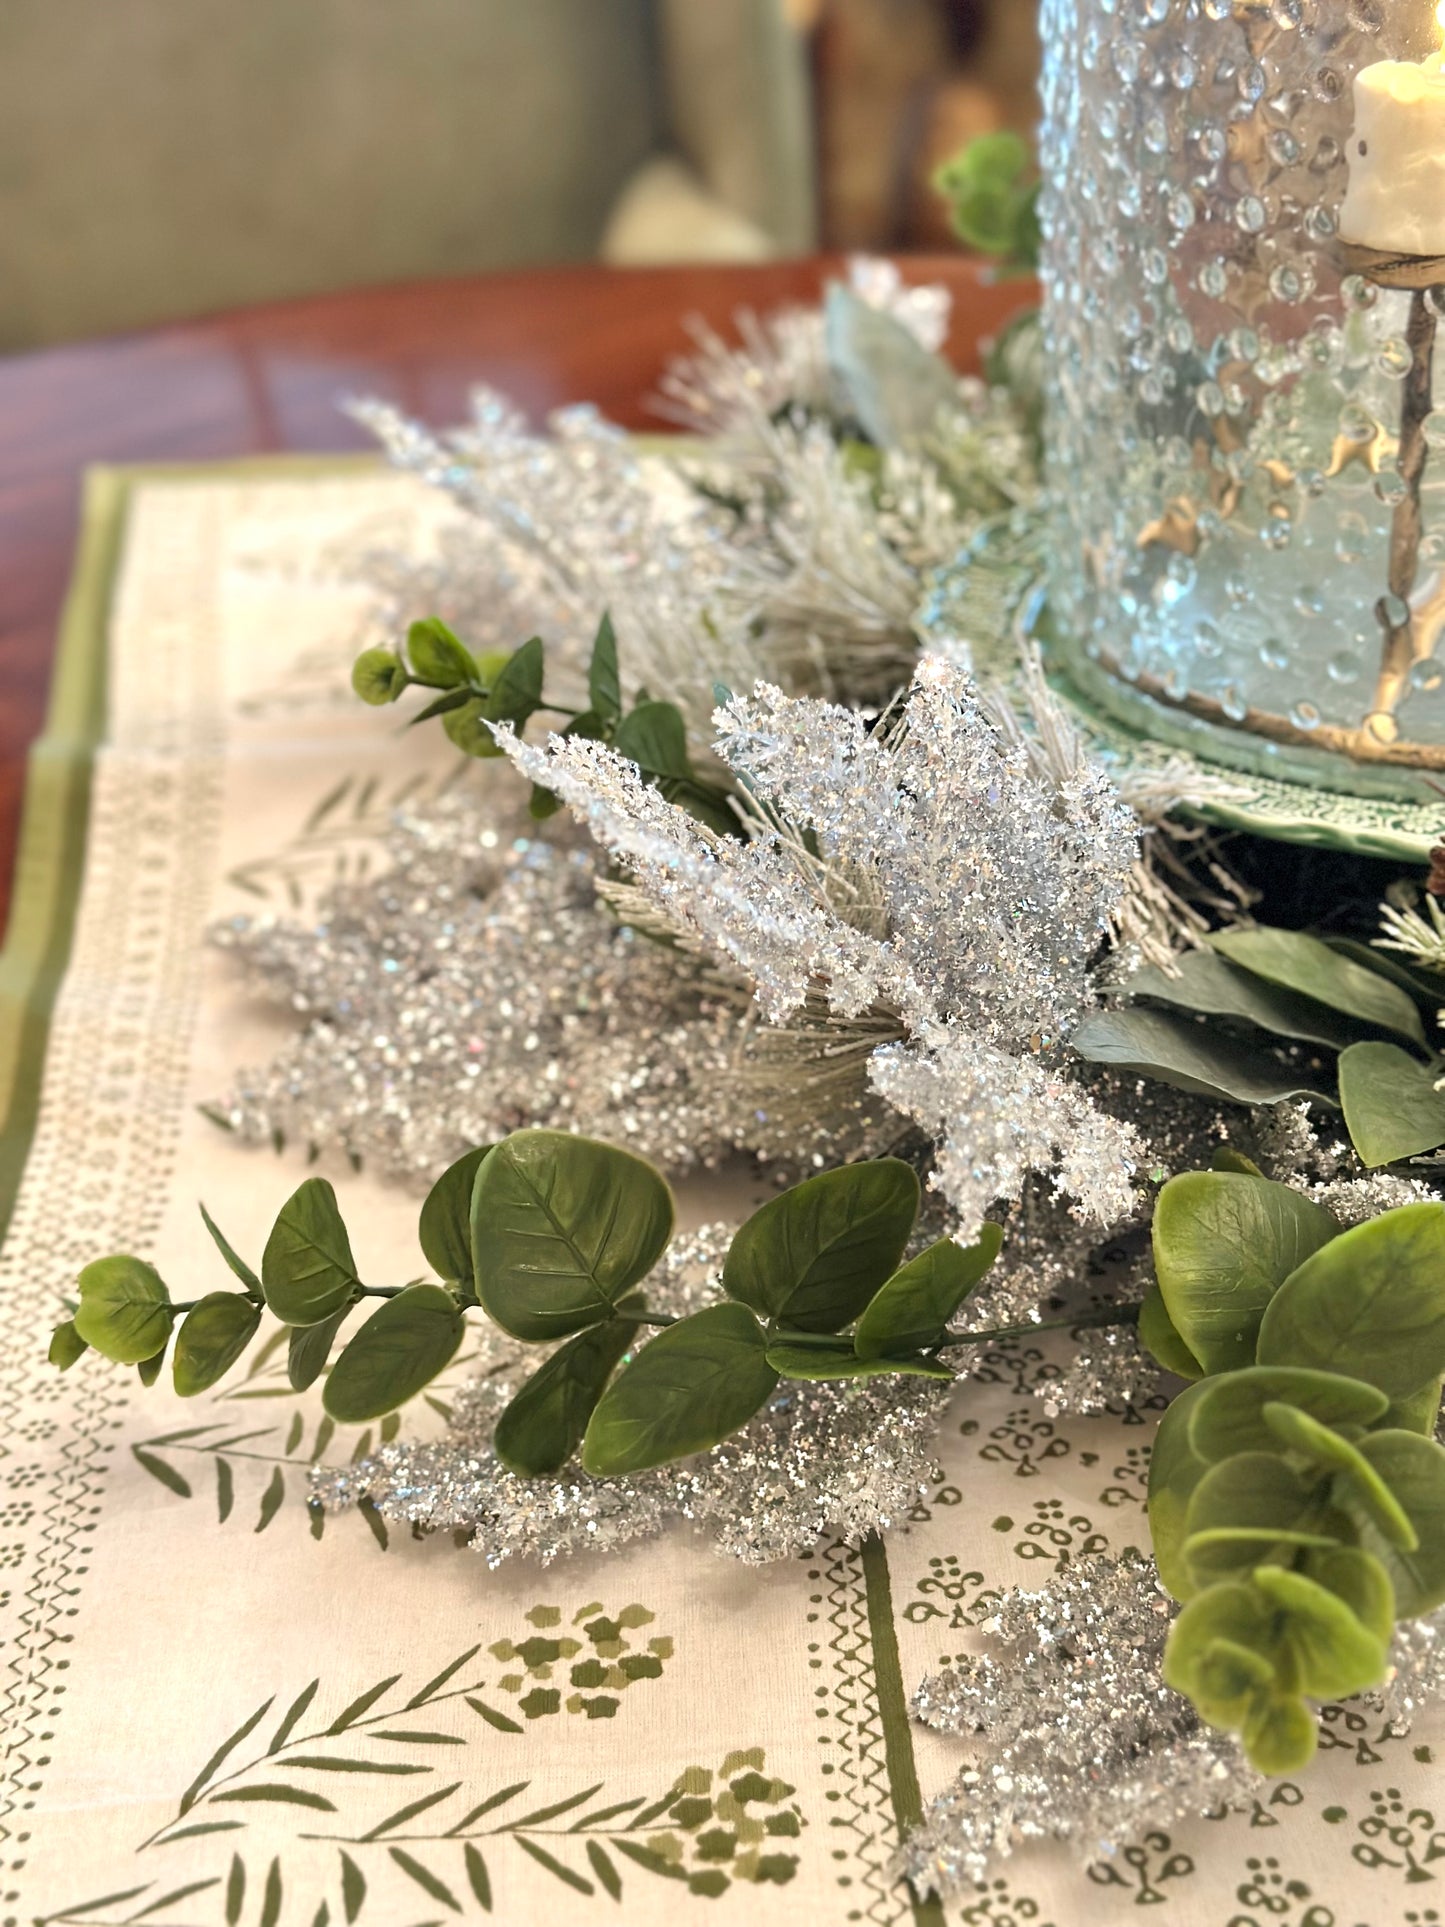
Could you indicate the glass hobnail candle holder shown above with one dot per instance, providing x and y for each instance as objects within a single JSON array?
[{"x": 1230, "y": 387}]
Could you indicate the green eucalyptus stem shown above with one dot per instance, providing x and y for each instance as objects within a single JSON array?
[{"x": 1105, "y": 1316}]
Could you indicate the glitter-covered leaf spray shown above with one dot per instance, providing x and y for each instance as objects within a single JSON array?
[{"x": 550, "y": 1235}]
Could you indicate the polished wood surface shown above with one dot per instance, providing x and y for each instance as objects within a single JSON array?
[{"x": 268, "y": 379}]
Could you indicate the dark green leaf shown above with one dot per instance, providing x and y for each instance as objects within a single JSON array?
[
  {"x": 1311, "y": 968},
  {"x": 271, "y": 1499},
  {"x": 562, "y": 1228},
  {"x": 293, "y": 1714},
  {"x": 654, "y": 735},
  {"x": 816, "y": 1256},
  {"x": 235, "y": 1890},
  {"x": 363, "y": 1703},
  {"x": 309, "y": 1346},
  {"x": 437, "y": 655},
  {"x": 603, "y": 1868},
  {"x": 604, "y": 684},
  {"x": 1224, "y": 1243},
  {"x": 378, "y": 676},
  {"x": 478, "y": 1878},
  {"x": 425, "y": 1878},
  {"x": 439, "y": 1680},
  {"x": 271, "y": 1898},
  {"x": 280, "y": 1794},
  {"x": 694, "y": 1385},
  {"x": 125, "y": 1309},
  {"x": 912, "y": 1310},
  {"x": 517, "y": 690},
  {"x": 445, "y": 1226},
  {"x": 1414, "y": 1470},
  {"x": 227, "y": 1746},
  {"x": 213, "y": 1335},
  {"x": 353, "y": 1887},
  {"x": 443, "y": 705},
  {"x": 704, "y": 802},
  {"x": 493, "y": 1718},
  {"x": 1370, "y": 1304},
  {"x": 149, "y": 1369},
  {"x": 1204, "y": 982},
  {"x": 1193, "y": 1057},
  {"x": 325, "y": 1763},
  {"x": 1162, "y": 1341},
  {"x": 553, "y": 1865},
  {"x": 66, "y": 1345},
  {"x": 233, "y": 1258},
  {"x": 543, "y": 804},
  {"x": 397, "y": 1353},
  {"x": 410, "y": 1811},
  {"x": 307, "y": 1270},
  {"x": 225, "y": 1490},
  {"x": 1417, "y": 1413},
  {"x": 1423, "y": 985},
  {"x": 543, "y": 1426},
  {"x": 158, "y": 1469},
  {"x": 839, "y": 1361},
  {"x": 1175, "y": 1470},
  {"x": 466, "y": 727},
  {"x": 1228, "y": 1417},
  {"x": 1391, "y": 1105}
]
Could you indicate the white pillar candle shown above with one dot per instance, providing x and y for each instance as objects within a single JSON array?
[{"x": 1396, "y": 196}]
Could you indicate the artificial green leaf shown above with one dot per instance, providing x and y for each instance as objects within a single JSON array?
[
  {"x": 125, "y": 1309},
  {"x": 1280, "y": 1736},
  {"x": 1334, "y": 1653},
  {"x": 1162, "y": 1341},
  {"x": 445, "y": 1226},
  {"x": 66, "y": 1345},
  {"x": 815, "y": 1256},
  {"x": 307, "y": 1270},
  {"x": 1361, "y": 1581},
  {"x": 397, "y": 1353},
  {"x": 1229, "y": 1416},
  {"x": 1244, "y": 1509},
  {"x": 1226, "y": 1158},
  {"x": 704, "y": 802},
  {"x": 543, "y": 804},
  {"x": 1391, "y": 1103},
  {"x": 1311, "y": 968},
  {"x": 232, "y": 1257},
  {"x": 838, "y": 1361},
  {"x": 695, "y": 1384},
  {"x": 911, "y": 1311},
  {"x": 1371, "y": 1304},
  {"x": 1224, "y": 1243},
  {"x": 1234, "y": 1615},
  {"x": 378, "y": 676},
  {"x": 543, "y": 1425},
  {"x": 562, "y": 1228},
  {"x": 1204, "y": 982},
  {"x": 1423, "y": 985},
  {"x": 1194, "y": 1057},
  {"x": 309, "y": 1347},
  {"x": 466, "y": 726},
  {"x": 442, "y": 705},
  {"x": 1416, "y": 1413},
  {"x": 1174, "y": 1471},
  {"x": 1357, "y": 1487},
  {"x": 604, "y": 682},
  {"x": 438, "y": 656},
  {"x": 1414, "y": 1470},
  {"x": 213, "y": 1335},
  {"x": 654, "y": 735},
  {"x": 517, "y": 690},
  {"x": 148, "y": 1370}
]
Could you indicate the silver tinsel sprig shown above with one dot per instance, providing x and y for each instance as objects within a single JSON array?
[
  {"x": 841, "y": 1459},
  {"x": 929, "y": 872},
  {"x": 1078, "y": 1738}
]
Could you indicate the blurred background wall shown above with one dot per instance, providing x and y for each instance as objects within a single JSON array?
[{"x": 163, "y": 158}]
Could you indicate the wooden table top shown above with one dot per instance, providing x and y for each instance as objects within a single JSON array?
[{"x": 267, "y": 379}]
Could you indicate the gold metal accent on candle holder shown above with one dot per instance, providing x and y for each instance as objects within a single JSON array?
[{"x": 1421, "y": 275}]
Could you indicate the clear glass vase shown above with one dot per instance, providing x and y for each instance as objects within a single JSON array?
[{"x": 1234, "y": 393}]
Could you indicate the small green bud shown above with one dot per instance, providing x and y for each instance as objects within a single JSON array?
[
  {"x": 378, "y": 676},
  {"x": 66, "y": 1345}
]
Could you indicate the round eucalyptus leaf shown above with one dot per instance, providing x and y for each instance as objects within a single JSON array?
[
  {"x": 309, "y": 1347},
  {"x": 445, "y": 1225},
  {"x": 1419, "y": 1412},
  {"x": 1162, "y": 1341},
  {"x": 1232, "y": 1616},
  {"x": 1174, "y": 1471},
  {"x": 466, "y": 727},
  {"x": 912, "y": 1310},
  {"x": 378, "y": 676},
  {"x": 694, "y": 1385},
  {"x": 1280, "y": 1735},
  {"x": 1370, "y": 1303},
  {"x": 307, "y": 1270},
  {"x": 125, "y": 1309},
  {"x": 1229, "y": 1416},
  {"x": 1223, "y": 1245},
  {"x": 824, "y": 1363},
  {"x": 1414, "y": 1470},
  {"x": 437, "y": 655},
  {"x": 66, "y": 1346},
  {"x": 1311, "y": 968},
  {"x": 148, "y": 1370},
  {"x": 562, "y": 1228},
  {"x": 396, "y": 1354},
  {"x": 1390, "y": 1102},
  {"x": 1358, "y": 1488},
  {"x": 1335, "y": 1653},
  {"x": 815, "y": 1256},
  {"x": 1249, "y": 1509},
  {"x": 1361, "y": 1581},
  {"x": 543, "y": 1425},
  {"x": 1195, "y": 1057},
  {"x": 213, "y": 1335}
]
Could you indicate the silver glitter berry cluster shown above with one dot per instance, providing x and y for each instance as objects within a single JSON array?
[
  {"x": 927, "y": 883},
  {"x": 1078, "y": 1738},
  {"x": 841, "y": 1460}
]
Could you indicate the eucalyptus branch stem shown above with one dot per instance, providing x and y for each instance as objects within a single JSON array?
[{"x": 1105, "y": 1316}]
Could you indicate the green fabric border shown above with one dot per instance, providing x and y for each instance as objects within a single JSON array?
[{"x": 50, "y": 856}]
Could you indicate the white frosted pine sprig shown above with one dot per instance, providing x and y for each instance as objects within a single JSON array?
[{"x": 926, "y": 872}]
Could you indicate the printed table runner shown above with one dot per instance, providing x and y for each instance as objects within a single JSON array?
[{"x": 221, "y": 1709}]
